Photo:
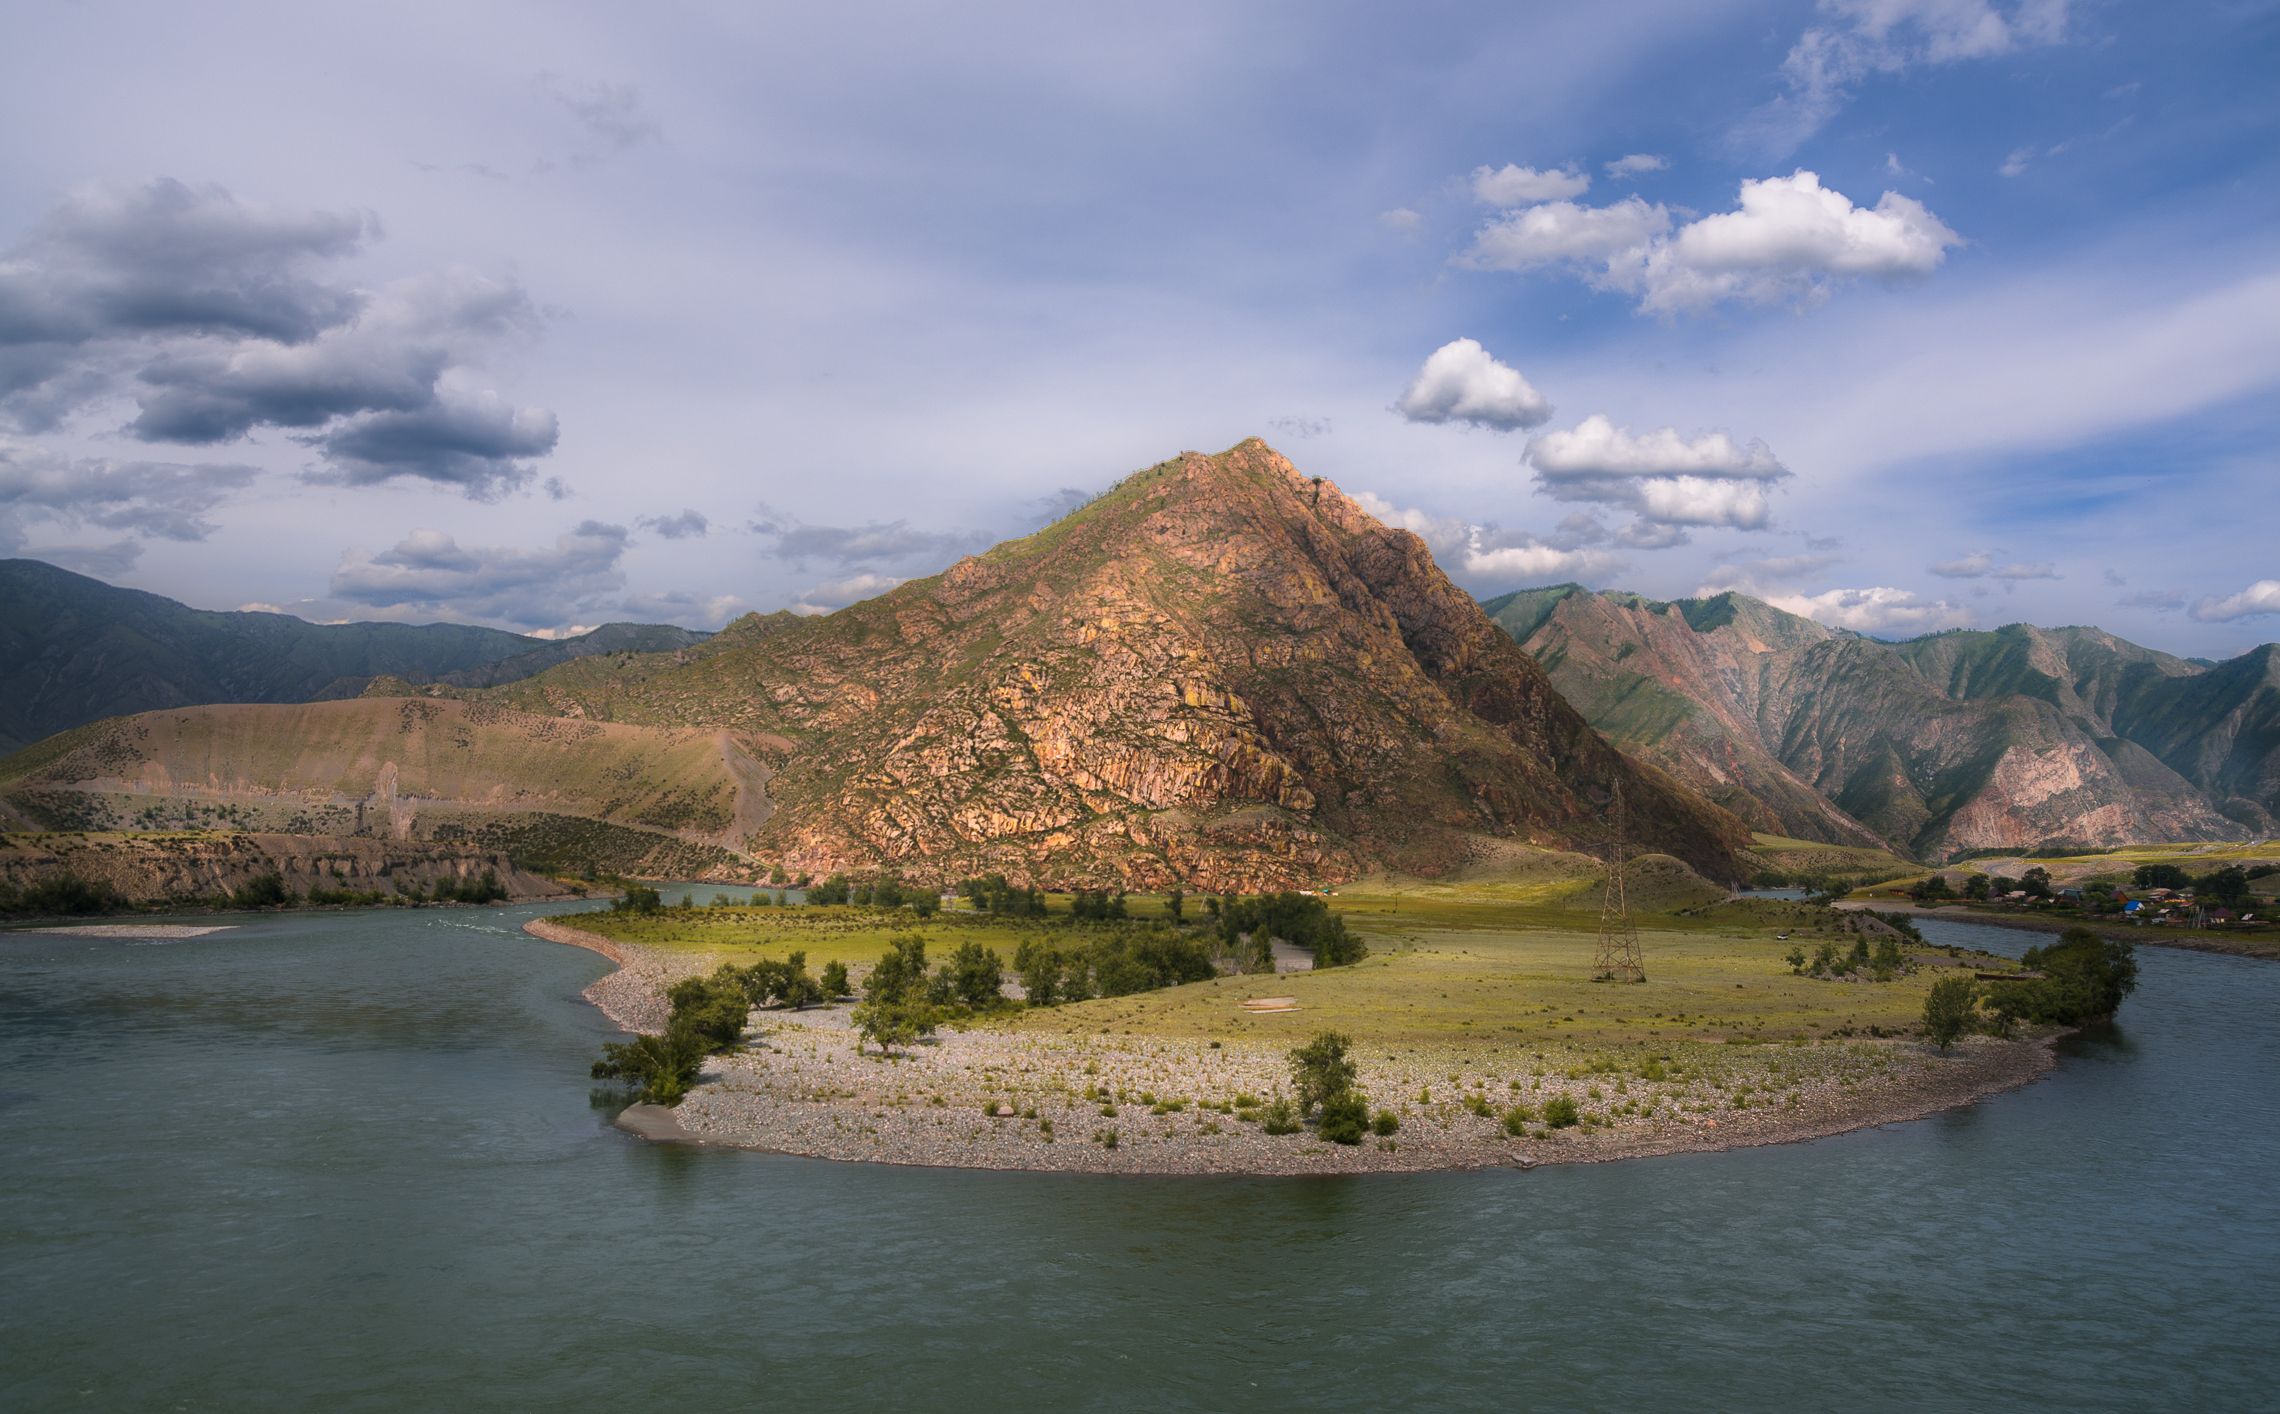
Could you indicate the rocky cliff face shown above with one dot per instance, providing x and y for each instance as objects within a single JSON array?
[
  {"x": 1954, "y": 742},
  {"x": 1223, "y": 674}
]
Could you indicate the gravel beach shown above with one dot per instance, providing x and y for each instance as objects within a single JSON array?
[{"x": 995, "y": 1099}]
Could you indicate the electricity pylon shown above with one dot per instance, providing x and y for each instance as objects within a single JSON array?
[{"x": 1618, "y": 955}]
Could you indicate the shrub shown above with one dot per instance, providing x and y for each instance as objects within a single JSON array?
[
  {"x": 1560, "y": 1112},
  {"x": 2084, "y": 978},
  {"x": 1279, "y": 1117},
  {"x": 1320, "y": 1070},
  {"x": 893, "y": 1023},
  {"x": 1345, "y": 1117},
  {"x": 638, "y": 898},
  {"x": 1516, "y": 1120},
  {"x": 834, "y": 980},
  {"x": 976, "y": 975},
  {"x": 901, "y": 973},
  {"x": 661, "y": 1067},
  {"x": 1386, "y": 1124},
  {"x": 710, "y": 1009},
  {"x": 62, "y": 894},
  {"x": 262, "y": 891},
  {"x": 1950, "y": 1010}
]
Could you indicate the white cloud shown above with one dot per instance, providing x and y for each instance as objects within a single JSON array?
[
  {"x": 1401, "y": 218},
  {"x": 1669, "y": 480},
  {"x": 1636, "y": 164},
  {"x": 1563, "y": 233},
  {"x": 1512, "y": 185},
  {"x": 1789, "y": 238},
  {"x": 2262, "y": 597},
  {"x": 839, "y": 593},
  {"x": 1596, "y": 447},
  {"x": 1982, "y": 565},
  {"x": 1534, "y": 563},
  {"x": 1487, "y": 553},
  {"x": 1867, "y": 37},
  {"x": 1882, "y": 609},
  {"x": 1462, "y": 382}
]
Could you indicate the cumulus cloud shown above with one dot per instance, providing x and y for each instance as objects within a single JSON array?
[
  {"x": 870, "y": 543},
  {"x": 839, "y": 593},
  {"x": 1983, "y": 565},
  {"x": 1668, "y": 479},
  {"x": 1882, "y": 609},
  {"x": 688, "y": 525},
  {"x": 1512, "y": 185},
  {"x": 1488, "y": 554},
  {"x": 430, "y": 572},
  {"x": 1857, "y": 39},
  {"x": 215, "y": 316},
  {"x": 162, "y": 500},
  {"x": 1462, "y": 382},
  {"x": 1788, "y": 238},
  {"x": 2262, "y": 597},
  {"x": 1636, "y": 164}
]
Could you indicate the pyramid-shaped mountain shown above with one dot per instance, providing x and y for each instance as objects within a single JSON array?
[{"x": 1222, "y": 673}]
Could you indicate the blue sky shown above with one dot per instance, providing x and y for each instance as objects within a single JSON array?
[{"x": 490, "y": 300}]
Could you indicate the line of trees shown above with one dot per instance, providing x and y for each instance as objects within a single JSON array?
[{"x": 2084, "y": 978}]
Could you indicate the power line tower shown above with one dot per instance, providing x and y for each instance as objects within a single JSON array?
[{"x": 1617, "y": 959}]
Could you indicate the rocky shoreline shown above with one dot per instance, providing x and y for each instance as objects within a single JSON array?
[{"x": 999, "y": 1099}]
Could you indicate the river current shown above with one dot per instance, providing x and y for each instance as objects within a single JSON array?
[{"x": 349, "y": 1161}]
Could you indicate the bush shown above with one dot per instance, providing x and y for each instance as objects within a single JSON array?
[
  {"x": 638, "y": 898},
  {"x": 1320, "y": 1071},
  {"x": 1386, "y": 1124},
  {"x": 1345, "y": 1118},
  {"x": 901, "y": 974},
  {"x": 1279, "y": 1117},
  {"x": 1560, "y": 1112},
  {"x": 834, "y": 980},
  {"x": 1951, "y": 1010},
  {"x": 976, "y": 975},
  {"x": 262, "y": 891},
  {"x": 1516, "y": 1120},
  {"x": 662, "y": 1067},
  {"x": 61, "y": 894},
  {"x": 711, "y": 1009},
  {"x": 894, "y": 1023}
]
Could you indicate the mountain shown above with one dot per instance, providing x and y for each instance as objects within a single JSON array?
[
  {"x": 74, "y": 649},
  {"x": 1952, "y": 742},
  {"x": 1222, "y": 673}
]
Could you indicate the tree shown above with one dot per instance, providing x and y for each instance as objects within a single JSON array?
[
  {"x": 1933, "y": 888},
  {"x": 2161, "y": 876},
  {"x": 1975, "y": 887},
  {"x": 661, "y": 1065},
  {"x": 893, "y": 1023},
  {"x": 2084, "y": 978},
  {"x": 2228, "y": 886},
  {"x": 2036, "y": 882},
  {"x": 832, "y": 890},
  {"x": 922, "y": 903},
  {"x": 976, "y": 976},
  {"x": 639, "y": 898},
  {"x": 1175, "y": 904},
  {"x": 713, "y": 1009},
  {"x": 262, "y": 891},
  {"x": 1345, "y": 1117},
  {"x": 1951, "y": 1010},
  {"x": 834, "y": 980},
  {"x": 1320, "y": 1070},
  {"x": 901, "y": 974},
  {"x": 1038, "y": 964}
]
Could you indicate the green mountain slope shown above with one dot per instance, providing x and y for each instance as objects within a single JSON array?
[{"x": 74, "y": 650}]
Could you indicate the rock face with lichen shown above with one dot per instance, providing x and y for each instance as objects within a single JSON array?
[{"x": 1222, "y": 674}]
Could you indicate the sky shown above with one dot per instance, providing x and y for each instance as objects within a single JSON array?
[{"x": 1906, "y": 314}]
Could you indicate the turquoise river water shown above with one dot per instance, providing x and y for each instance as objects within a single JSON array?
[{"x": 349, "y": 1161}]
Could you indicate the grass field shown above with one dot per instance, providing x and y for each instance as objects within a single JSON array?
[{"x": 1492, "y": 968}]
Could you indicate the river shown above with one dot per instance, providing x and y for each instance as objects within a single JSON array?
[{"x": 348, "y": 1161}]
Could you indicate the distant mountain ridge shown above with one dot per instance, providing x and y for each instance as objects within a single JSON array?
[
  {"x": 75, "y": 650},
  {"x": 1961, "y": 740}
]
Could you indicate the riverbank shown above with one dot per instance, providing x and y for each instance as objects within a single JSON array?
[
  {"x": 2265, "y": 949},
  {"x": 994, "y": 1097}
]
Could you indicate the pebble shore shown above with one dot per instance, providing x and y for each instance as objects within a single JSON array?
[{"x": 995, "y": 1099}]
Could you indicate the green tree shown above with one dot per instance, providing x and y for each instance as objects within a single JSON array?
[
  {"x": 1321, "y": 1070},
  {"x": 901, "y": 974},
  {"x": 976, "y": 975},
  {"x": 834, "y": 980},
  {"x": 889, "y": 1024},
  {"x": 1038, "y": 963},
  {"x": 1345, "y": 1117},
  {"x": 2085, "y": 977},
  {"x": 2161, "y": 876},
  {"x": 2036, "y": 882},
  {"x": 2227, "y": 886},
  {"x": 1175, "y": 904},
  {"x": 1975, "y": 887},
  {"x": 1951, "y": 1010},
  {"x": 661, "y": 1066}
]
